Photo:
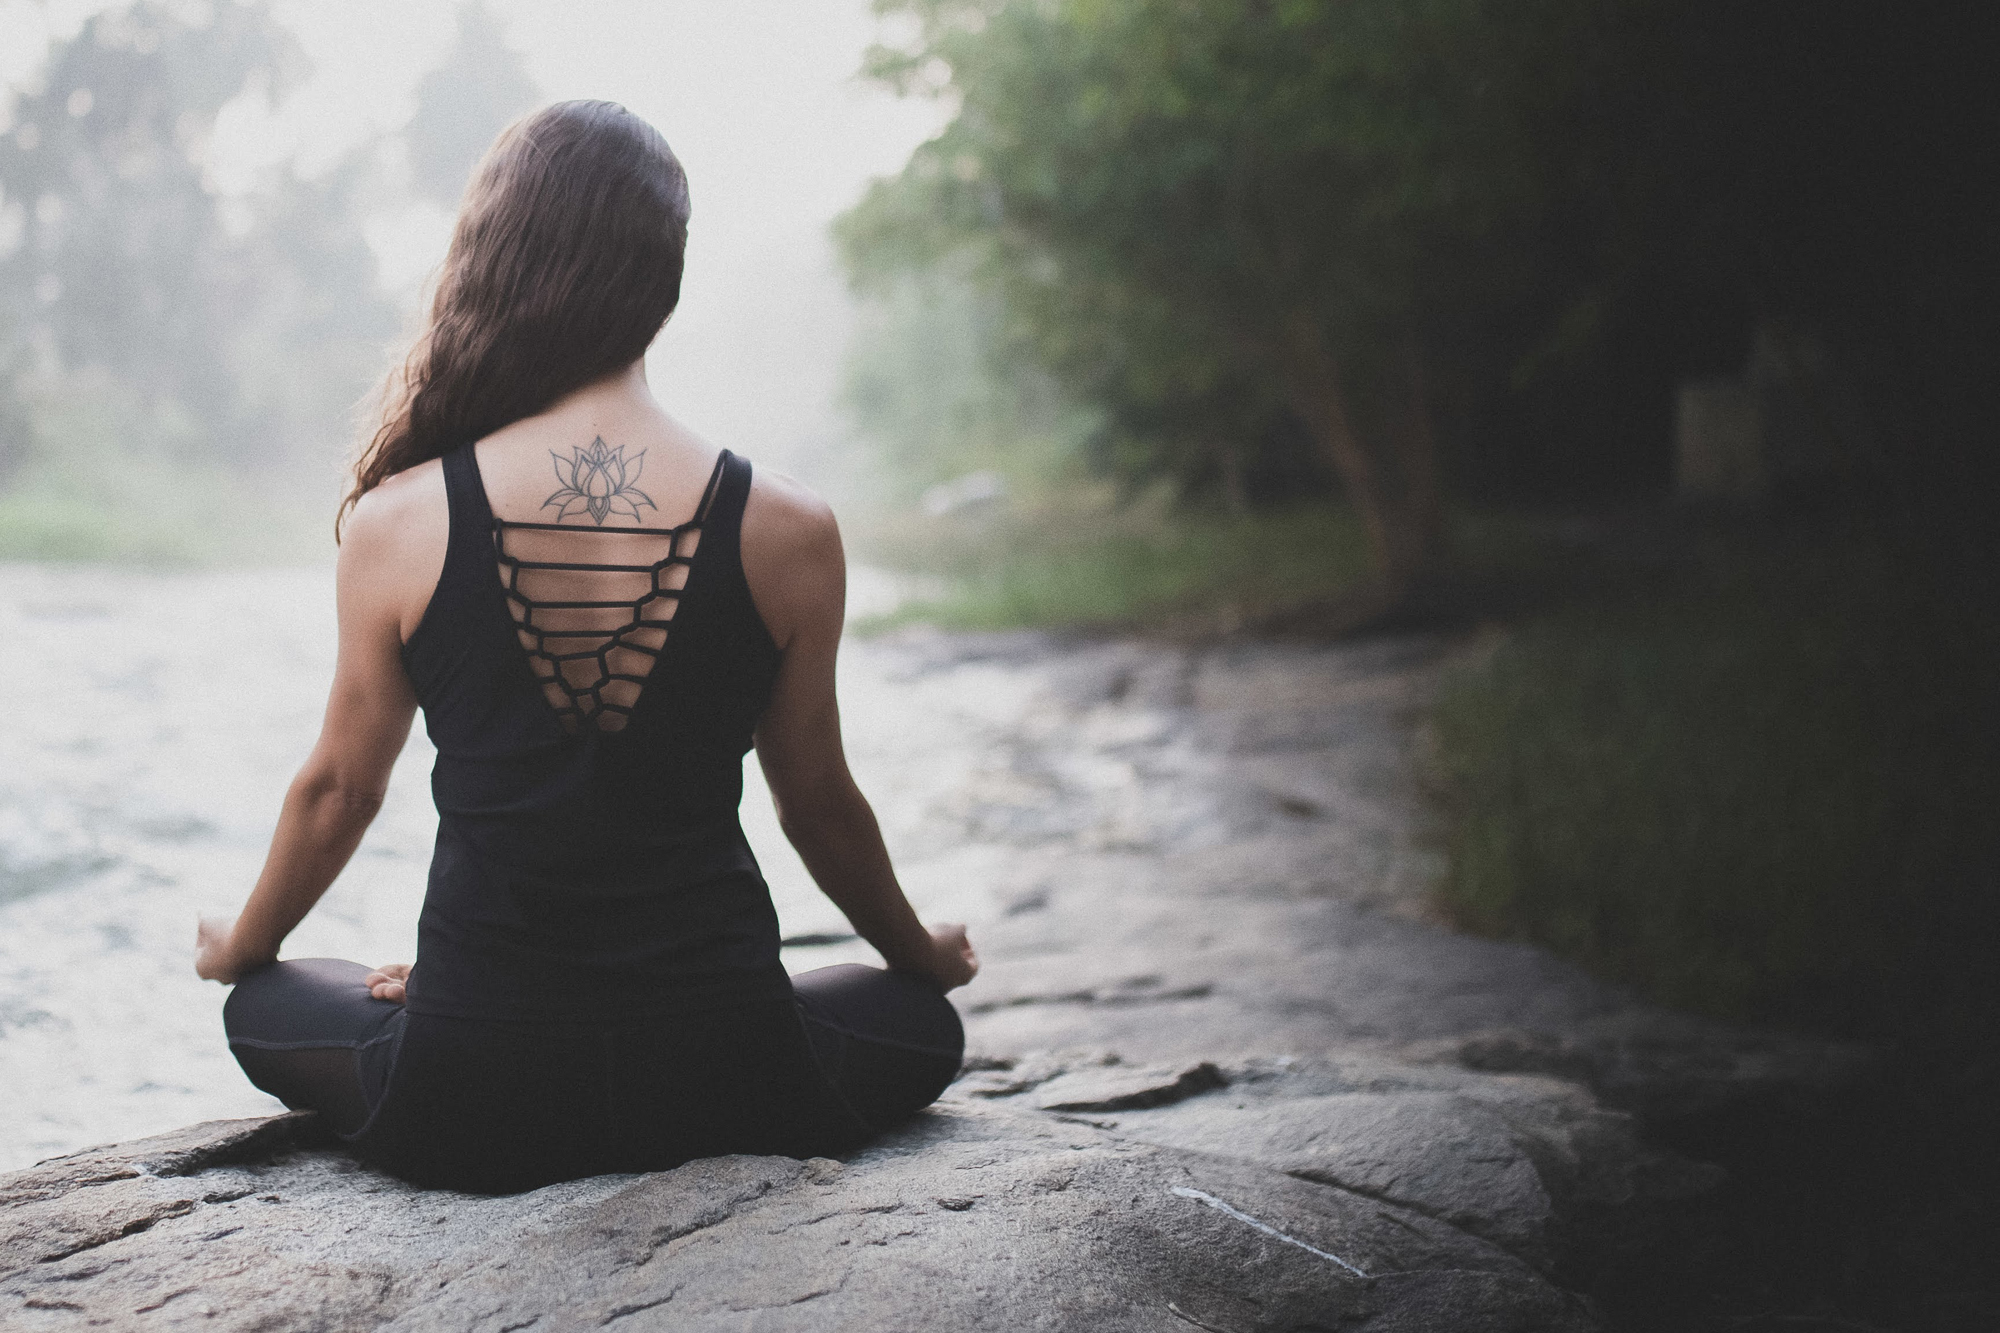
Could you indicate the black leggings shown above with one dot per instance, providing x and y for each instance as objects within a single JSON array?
[{"x": 499, "y": 1107}]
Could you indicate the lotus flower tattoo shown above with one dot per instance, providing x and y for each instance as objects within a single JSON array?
[{"x": 598, "y": 481}]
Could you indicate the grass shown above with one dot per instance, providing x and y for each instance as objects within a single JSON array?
[
  {"x": 108, "y": 479},
  {"x": 1082, "y": 560},
  {"x": 188, "y": 519},
  {"x": 1762, "y": 788},
  {"x": 1748, "y": 773}
]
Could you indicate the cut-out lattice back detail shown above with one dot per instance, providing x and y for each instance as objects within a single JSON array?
[{"x": 594, "y": 630}]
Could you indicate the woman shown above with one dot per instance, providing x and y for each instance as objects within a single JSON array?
[{"x": 599, "y": 614}]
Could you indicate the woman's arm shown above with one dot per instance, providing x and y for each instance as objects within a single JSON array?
[
  {"x": 798, "y": 575},
  {"x": 338, "y": 791}
]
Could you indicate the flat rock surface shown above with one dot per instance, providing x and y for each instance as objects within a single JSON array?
[
  {"x": 1227, "y": 1071},
  {"x": 972, "y": 1217},
  {"x": 1212, "y": 852}
]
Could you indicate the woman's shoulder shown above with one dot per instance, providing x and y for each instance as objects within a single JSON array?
[
  {"x": 785, "y": 510},
  {"x": 791, "y": 555},
  {"x": 394, "y": 542},
  {"x": 390, "y": 508}
]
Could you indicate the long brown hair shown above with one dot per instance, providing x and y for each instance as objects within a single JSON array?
[{"x": 565, "y": 262}]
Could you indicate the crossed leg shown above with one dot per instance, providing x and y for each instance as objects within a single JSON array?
[{"x": 308, "y": 1032}]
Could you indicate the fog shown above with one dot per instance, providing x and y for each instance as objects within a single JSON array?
[{"x": 759, "y": 98}]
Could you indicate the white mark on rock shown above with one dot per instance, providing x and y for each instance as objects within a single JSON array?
[
  {"x": 1179, "y": 1313},
  {"x": 1269, "y": 1230}
]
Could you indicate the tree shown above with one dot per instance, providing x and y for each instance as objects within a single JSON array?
[
  {"x": 314, "y": 333},
  {"x": 245, "y": 343},
  {"x": 1208, "y": 217},
  {"x": 123, "y": 262},
  {"x": 1525, "y": 222},
  {"x": 463, "y": 104}
]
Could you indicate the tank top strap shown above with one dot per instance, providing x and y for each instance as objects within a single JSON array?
[
  {"x": 721, "y": 512},
  {"x": 471, "y": 514}
]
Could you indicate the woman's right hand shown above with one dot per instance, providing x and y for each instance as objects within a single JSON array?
[
  {"x": 953, "y": 963},
  {"x": 388, "y": 982},
  {"x": 217, "y": 954}
]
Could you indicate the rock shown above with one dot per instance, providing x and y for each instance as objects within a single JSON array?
[
  {"x": 1220, "y": 852},
  {"x": 1115, "y": 1089},
  {"x": 1227, "y": 1074},
  {"x": 973, "y": 1216},
  {"x": 43, "y": 1218},
  {"x": 1533, "y": 1165},
  {"x": 1662, "y": 1067}
]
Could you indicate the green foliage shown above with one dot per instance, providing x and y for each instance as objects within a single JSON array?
[
  {"x": 115, "y": 479},
  {"x": 1219, "y": 221},
  {"x": 938, "y": 392},
  {"x": 1164, "y": 194},
  {"x": 1763, "y": 791},
  {"x": 1079, "y": 558}
]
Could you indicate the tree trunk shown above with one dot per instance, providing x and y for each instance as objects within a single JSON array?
[
  {"x": 1399, "y": 504},
  {"x": 1423, "y": 496}
]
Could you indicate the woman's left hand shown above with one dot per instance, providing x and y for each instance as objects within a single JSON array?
[
  {"x": 953, "y": 961},
  {"x": 388, "y": 982}
]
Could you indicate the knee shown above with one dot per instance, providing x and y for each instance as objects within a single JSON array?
[
  {"x": 945, "y": 1028},
  {"x": 874, "y": 1002},
  {"x": 929, "y": 1018},
  {"x": 278, "y": 997},
  {"x": 254, "y": 996}
]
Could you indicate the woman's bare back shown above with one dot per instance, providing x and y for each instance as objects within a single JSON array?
[{"x": 608, "y": 480}]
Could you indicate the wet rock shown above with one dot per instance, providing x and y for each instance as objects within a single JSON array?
[
  {"x": 1533, "y": 1165},
  {"x": 1126, "y": 1089},
  {"x": 973, "y": 1216},
  {"x": 1662, "y": 1066},
  {"x": 1229, "y": 1074},
  {"x": 1220, "y": 851}
]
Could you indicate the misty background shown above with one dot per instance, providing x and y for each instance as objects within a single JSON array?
[{"x": 216, "y": 221}]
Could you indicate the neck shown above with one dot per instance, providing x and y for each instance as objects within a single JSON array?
[
  {"x": 622, "y": 391},
  {"x": 619, "y": 407}
]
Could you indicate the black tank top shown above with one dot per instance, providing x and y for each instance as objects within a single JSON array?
[{"x": 584, "y": 872}]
